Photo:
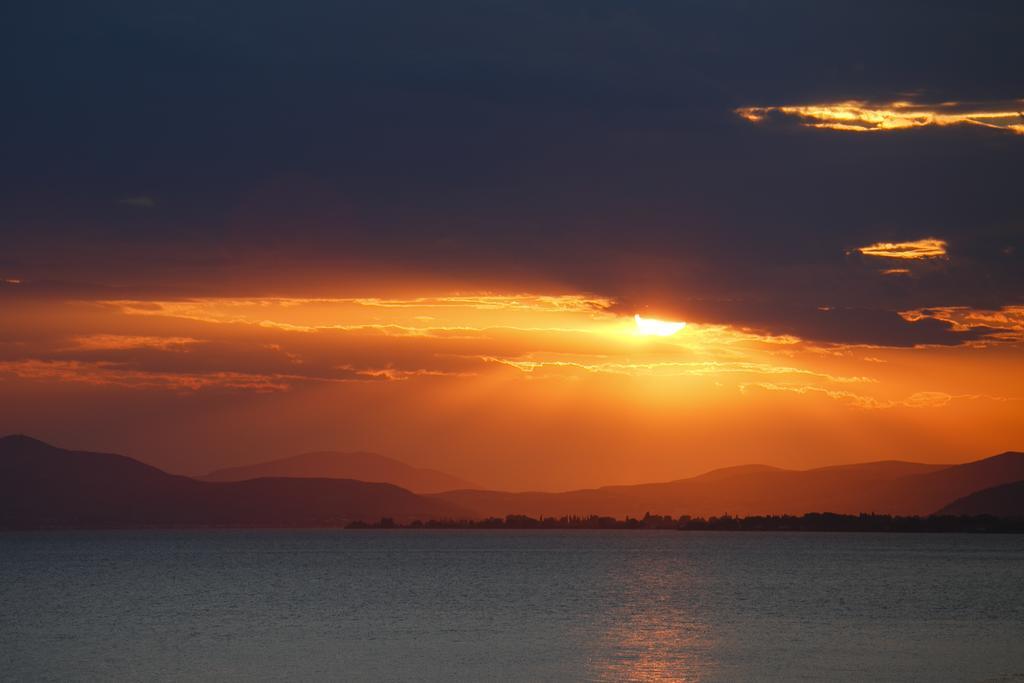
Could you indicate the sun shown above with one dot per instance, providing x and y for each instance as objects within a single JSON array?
[{"x": 658, "y": 328}]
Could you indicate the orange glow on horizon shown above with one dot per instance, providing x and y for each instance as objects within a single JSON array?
[{"x": 470, "y": 382}]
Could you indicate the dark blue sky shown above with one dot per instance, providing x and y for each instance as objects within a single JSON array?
[{"x": 576, "y": 145}]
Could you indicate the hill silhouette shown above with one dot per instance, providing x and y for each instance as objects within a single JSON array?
[
  {"x": 893, "y": 487},
  {"x": 1005, "y": 500},
  {"x": 335, "y": 465},
  {"x": 45, "y": 486},
  {"x": 926, "y": 493}
]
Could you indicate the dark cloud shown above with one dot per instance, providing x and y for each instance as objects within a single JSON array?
[
  {"x": 586, "y": 145},
  {"x": 849, "y": 326}
]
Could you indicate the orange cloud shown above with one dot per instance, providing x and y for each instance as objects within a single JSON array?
[
  {"x": 674, "y": 368},
  {"x": 105, "y": 374},
  {"x": 863, "y": 116},
  {"x": 107, "y": 342},
  {"x": 919, "y": 399},
  {"x": 436, "y": 316},
  {"x": 927, "y": 248},
  {"x": 1007, "y": 323}
]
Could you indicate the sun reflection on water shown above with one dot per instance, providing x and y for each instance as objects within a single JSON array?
[{"x": 651, "y": 633}]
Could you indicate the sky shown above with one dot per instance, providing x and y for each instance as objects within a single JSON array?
[{"x": 236, "y": 231}]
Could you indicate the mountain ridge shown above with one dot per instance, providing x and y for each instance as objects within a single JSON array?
[
  {"x": 44, "y": 486},
  {"x": 895, "y": 487},
  {"x": 358, "y": 465},
  {"x": 1004, "y": 500}
]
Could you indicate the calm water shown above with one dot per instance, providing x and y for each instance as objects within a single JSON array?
[{"x": 400, "y": 605}]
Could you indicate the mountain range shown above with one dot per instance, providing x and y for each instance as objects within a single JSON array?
[
  {"x": 336, "y": 465},
  {"x": 44, "y": 486},
  {"x": 892, "y": 487},
  {"x": 1005, "y": 500}
]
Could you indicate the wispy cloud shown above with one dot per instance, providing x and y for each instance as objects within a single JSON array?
[
  {"x": 532, "y": 302},
  {"x": 101, "y": 342},
  {"x": 862, "y": 116},
  {"x": 926, "y": 248},
  {"x": 106, "y": 374},
  {"x": 1004, "y": 325},
  {"x": 672, "y": 368},
  {"x": 919, "y": 399}
]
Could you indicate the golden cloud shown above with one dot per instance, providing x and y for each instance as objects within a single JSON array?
[
  {"x": 105, "y": 374},
  {"x": 1007, "y": 323},
  {"x": 927, "y": 248},
  {"x": 862, "y": 116},
  {"x": 672, "y": 368},
  {"x": 920, "y": 399},
  {"x": 109, "y": 342},
  {"x": 419, "y": 316}
]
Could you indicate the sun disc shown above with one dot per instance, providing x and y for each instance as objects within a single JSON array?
[{"x": 658, "y": 328}]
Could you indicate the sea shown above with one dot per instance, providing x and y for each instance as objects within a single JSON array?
[{"x": 457, "y": 605}]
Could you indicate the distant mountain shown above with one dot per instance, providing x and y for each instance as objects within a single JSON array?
[
  {"x": 735, "y": 471},
  {"x": 926, "y": 493},
  {"x": 44, "y": 486},
  {"x": 334, "y": 465},
  {"x": 1006, "y": 500},
  {"x": 886, "y": 487}
]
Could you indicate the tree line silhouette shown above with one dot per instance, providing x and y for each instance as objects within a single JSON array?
[{"x": 812, "y": 521}]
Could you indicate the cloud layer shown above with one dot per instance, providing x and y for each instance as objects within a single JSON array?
[{"x": 429, "y": 227}]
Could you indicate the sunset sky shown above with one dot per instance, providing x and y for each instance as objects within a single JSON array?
[{"x": 233, "y": 232}]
